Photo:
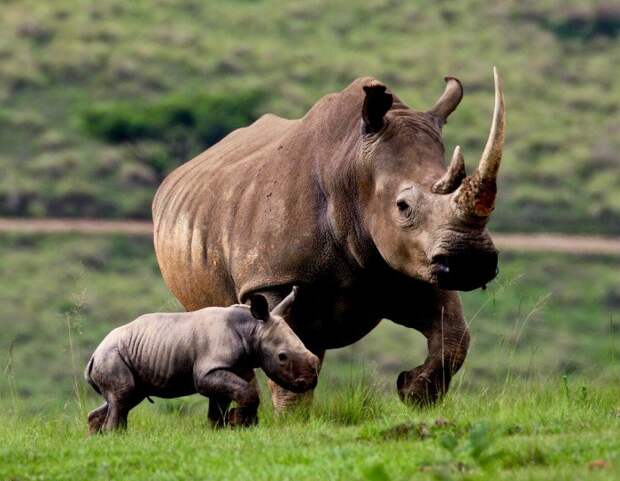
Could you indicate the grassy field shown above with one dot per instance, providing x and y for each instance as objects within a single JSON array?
[
  {"x": 546, "y": 315},
  {"x": 525, "y": 431},
  {"x": 105, "y": 98},
  {"x": 538, "y": 397}
]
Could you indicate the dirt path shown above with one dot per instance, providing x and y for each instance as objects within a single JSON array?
[
  {"x": 75, "y": 226},
  {"x": 569, "y": 244}
]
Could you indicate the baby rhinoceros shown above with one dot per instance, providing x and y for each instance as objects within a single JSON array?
[{"x": 212, "y": 351}]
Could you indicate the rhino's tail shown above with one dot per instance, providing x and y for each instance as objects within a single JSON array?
[{"x": 89, "y": 368}]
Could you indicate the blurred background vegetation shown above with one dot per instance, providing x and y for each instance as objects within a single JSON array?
[
  {"x": 100, "y": 100},
  {"x": 105, "y": 97}
]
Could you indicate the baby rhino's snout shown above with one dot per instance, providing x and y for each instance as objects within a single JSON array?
[
  {"x": 284, "y": 358},
  {"x": 308, "y": 372},
  {"x": 301, "y": 368}
]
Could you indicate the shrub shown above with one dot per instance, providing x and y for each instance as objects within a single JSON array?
[
  {"x": 580, "y": 23},
  {"x": 208, "y": 117},
  {"x": 173, "y": 129}
]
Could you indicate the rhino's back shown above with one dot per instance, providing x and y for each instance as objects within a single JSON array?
[
  {"x": 162, "y": 349},
  {"x": 241, "y": 215}
]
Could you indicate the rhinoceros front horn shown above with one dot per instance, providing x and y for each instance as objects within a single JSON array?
[{"x": 476, "y": 195}]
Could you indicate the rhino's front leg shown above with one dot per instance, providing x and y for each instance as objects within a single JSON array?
[
  {"x": 222, "y": 385},
  {"x": 283, "y": 399},
  {"x": 218, "y": 411},
  {"x": 448, "y": 340}
]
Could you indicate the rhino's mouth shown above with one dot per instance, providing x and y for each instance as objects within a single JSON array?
[
  {"x": 464, "y": 272},
  {"x": 304, "y": 383}
]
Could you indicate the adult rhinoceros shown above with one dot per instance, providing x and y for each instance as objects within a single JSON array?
[{"x": 353, "y": 203}]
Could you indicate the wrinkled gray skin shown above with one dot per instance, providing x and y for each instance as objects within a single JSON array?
[{"x": 212, "y": 351}]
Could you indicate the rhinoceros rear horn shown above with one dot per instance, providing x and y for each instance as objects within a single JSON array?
[
  {"x": 284, "y": 308},
  {"x": 448, "y": 101},
  {"x": 376, "y": 105},
  {"x": 453, "y": 177}
]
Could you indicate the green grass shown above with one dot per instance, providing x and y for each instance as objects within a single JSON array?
[
  {"x": 538, "y": 397},
  {"x": 526, "y": 431},
  {"x": 546, "y": 315},
  {"x": 66, "y": 64}
]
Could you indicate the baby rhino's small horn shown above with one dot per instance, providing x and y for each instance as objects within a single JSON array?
[{"x": 283, "y": 309}]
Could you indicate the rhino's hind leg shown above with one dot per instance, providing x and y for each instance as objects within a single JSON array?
[
  {"x": 96, "y": 418},
  {"x": 118, "y": 386},
  {"x": 116, "y": 418},
  {"x": 118, "y": 410},
  {"x": 283, "y": 399}
]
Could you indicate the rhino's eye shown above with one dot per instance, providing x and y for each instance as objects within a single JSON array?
[{"x": 403, "y": 206}]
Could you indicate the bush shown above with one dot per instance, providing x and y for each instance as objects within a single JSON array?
[
  {"x": 586, "y": 24},
  {"x": 169, "y": 131},
  {"x": 207, "y": 117},
  {"x": 581, "y": 23}
]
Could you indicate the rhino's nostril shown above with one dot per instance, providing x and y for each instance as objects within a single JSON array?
[
  {"x": 282, "y": 357},
  {"x": 442, "y": 268},
  {"x": 465, "y": 270}
]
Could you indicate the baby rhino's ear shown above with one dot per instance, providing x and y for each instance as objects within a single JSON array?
[{"x": 259, "y": 307}]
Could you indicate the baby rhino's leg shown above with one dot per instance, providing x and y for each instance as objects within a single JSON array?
[
  {"x": 224, "y": 385},
  {"x": 96, "y": 419},
  {"x": 218, "y": 409},
  {"x": 246, "y": 415},
  {"x": 118, "y": 387}
]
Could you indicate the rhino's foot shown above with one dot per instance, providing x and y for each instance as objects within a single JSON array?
[
  {"x": 285, "y": 400},
  {"x": 96, "y": 419},
  {"x": 242, "y": 417},
  {"x": 421, "y": 388}
]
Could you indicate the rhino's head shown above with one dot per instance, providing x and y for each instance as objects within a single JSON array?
[
  {"x": 427, "y": 221},
  {"x": 282, "y": 355}
]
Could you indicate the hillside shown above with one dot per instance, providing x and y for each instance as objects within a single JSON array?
[{"x": 100, "y": 101}]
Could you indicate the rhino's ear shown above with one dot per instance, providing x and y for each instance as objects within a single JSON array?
[
  {"x": 376, "y": 105},
  {"x": 259, "y": 307},
  {"x": 449, "y": 100}
]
